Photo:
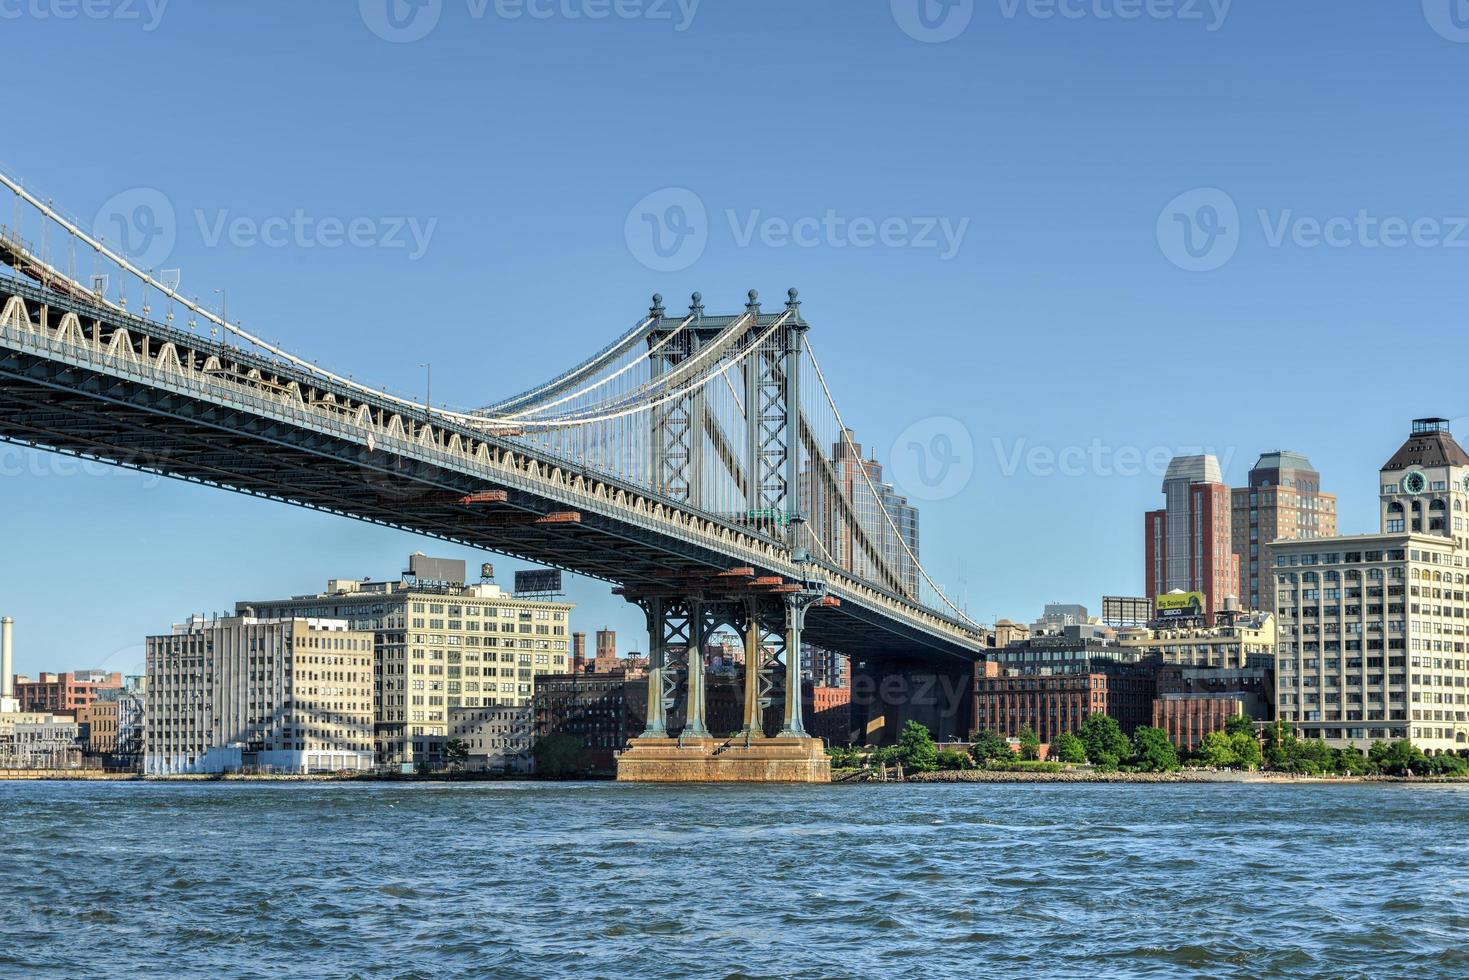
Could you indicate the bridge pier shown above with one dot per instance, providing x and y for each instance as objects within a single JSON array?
[{"x": 772, "y": 620}]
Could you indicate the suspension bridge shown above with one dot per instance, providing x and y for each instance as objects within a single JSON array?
[{"x": 696, "y": 462}]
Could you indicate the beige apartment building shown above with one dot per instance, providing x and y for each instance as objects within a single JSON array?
[
  {"x": 440, "y": 645},
  {"x": 1372, "y": 627},
  {"x": 1283, "y": 501},
  {"x": 1248, "y": 641},
  {"x": 289, "y": 695}
]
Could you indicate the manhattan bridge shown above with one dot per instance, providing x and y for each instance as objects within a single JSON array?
[{"x": 689, "y": 463}]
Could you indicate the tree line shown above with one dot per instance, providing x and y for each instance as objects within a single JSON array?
[{"x": 1100, "y": 742}]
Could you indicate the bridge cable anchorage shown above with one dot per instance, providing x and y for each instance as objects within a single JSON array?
[{"x": 867, "y": 478}]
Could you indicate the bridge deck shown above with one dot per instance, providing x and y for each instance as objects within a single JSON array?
[{"x": 102, "y": 386}]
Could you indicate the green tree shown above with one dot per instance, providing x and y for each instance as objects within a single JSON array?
[
  {"x": 1449, "y": 765},
  {"x": 559, "y": 756},
  {"x": 1352, "y": 762},
  {"x": 1152, "y": 751},
  {"x": 954, "y": 759},
  {"x": 456, "y": 753},
  {"x": 1279, "y": 744},
  {"x": 1217, "y": 749},
  {"x": 1030, "y": 743},
  {"x": 987, "y": 745},
  {"x": 1240, "y": 725},
  {"x": 1246, "y": 749},
  {"x": 1069, "y": 748},
  {"x": 1400, "y": 758},
  {"x": 1103, "y": 739},
  {"x": 916, "y": 748}
]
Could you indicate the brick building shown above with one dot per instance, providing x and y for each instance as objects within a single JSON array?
[
  {"x": 1053, "y": 682},
  {"x": 1187, "y": 718},
  {"x": 829, "y": 715},
  {"x": 64, "y": 693},
  {"x": 99, "y": 722},
  {"x": 1051, "y": 704}
]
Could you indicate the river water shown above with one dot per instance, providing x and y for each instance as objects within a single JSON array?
[{"x": 600, "y": 879}]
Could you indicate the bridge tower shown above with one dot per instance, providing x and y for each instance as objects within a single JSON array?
[{"x": 688, "y": 444}]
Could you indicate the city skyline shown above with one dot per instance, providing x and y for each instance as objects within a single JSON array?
[{"x": 1065, "y": 257}]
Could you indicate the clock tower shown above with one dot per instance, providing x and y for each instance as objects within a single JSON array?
[{"x": 1425, "y": 485}]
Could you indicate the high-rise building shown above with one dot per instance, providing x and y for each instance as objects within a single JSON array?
[
  {"x": 293, "y": 695},
  {"x": 882, "y": 528},
  {"x": 1283, "y": 501},
  {"x": 1187, "y": 543},
  {"x": 823, "y": 667},
  {"x": 440, "y": 645},
  {"x": 1372, "y": 627}
]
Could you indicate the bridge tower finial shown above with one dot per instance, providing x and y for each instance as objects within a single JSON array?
[
  {"x": 753, "y": 306},
  {"x": 697, "y": 306},
  {"x": 657, "y": 308}
]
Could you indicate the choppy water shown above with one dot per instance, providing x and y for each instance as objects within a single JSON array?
[{"x": 522, "y": 880}]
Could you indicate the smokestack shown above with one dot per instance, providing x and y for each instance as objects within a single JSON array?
[
  {"x": 578, "y": 652},
  {"x": 7, "y": 663}
]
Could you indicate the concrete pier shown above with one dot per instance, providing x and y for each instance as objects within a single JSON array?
[{"x": 714, "y": 760}]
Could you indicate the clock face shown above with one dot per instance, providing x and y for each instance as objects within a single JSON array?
[
  {"x": 1415, "y": 482},
  {"x": 1464, "y": 482}
]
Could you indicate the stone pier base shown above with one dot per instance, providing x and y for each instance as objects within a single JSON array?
[{"x": 719, "y": 760}]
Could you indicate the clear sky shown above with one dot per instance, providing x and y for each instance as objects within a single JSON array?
[{"x": 1071, "y": 237}]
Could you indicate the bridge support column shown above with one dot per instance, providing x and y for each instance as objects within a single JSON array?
[
  {"x": 694, "y": 724},
  {"x": 796, "y": 605},
  {"x": 754, "y": 662},
  {"x": 657, "y": 725}
]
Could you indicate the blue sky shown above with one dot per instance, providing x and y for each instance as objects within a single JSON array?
[{"x": 1236, "y": 226}]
